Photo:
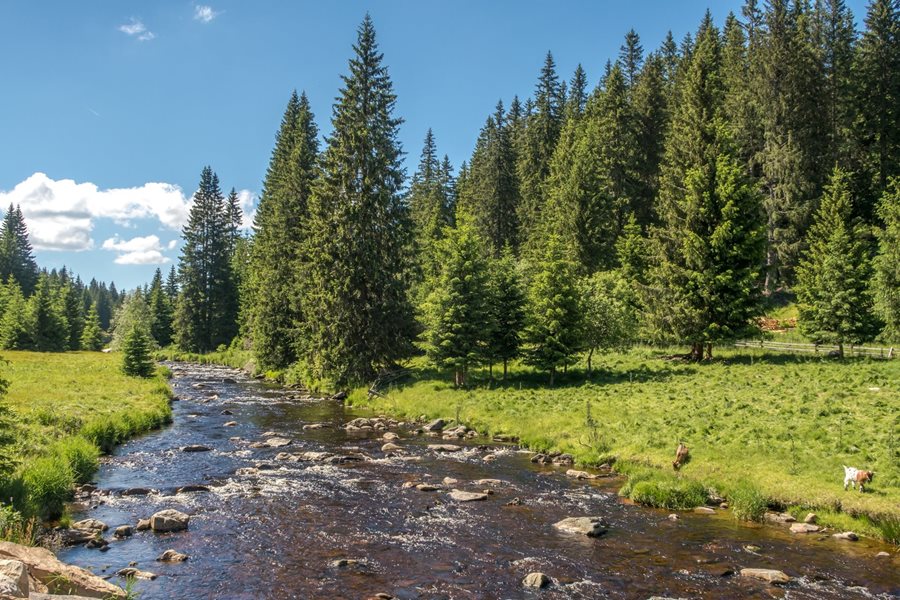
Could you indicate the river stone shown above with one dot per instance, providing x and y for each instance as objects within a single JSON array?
[
  {"x": 230, "y": 424},
  {"x": 228, "y": 380},
  {"x": 427, "y": 487},
  {"x": 75, "y": 537},
  {"x": 462, "y": 496},
  {"x": 196, "y": 448},
  {"x": 846, "y": 535},
  {"x": 123, "y": 531},
  {"x": 13, "y": 579},
  {"x": 90, "y": 525},
  {"x": 142, "y": 525},
  {"x": 450, "y": 481},
  {"x": 187, "y": 489},
  {"x": 172, "y": 556},
  {"x": 489, "y": 458},
  {"x": 226, "y": 412},
  {"x": 345, "y": 562},
  {"x": 579, "y": 474},
  {"x": 804, "y": 528},
  {"x": 389, "y": 447},
  {"x": 313, "y": 426},
  {"x": 779, "y": 517},
  {"x": 489, "y": 482},
  {"x": 883, "y": 554},
  {"x": 770, "y": 575},
  {"x": 536, "y": 580},
  {"x": 58, "y": 577},
  {"x": 278, "y": 442},
  {"x": 137, "y": 492},
  {"x": 704, "y": 510},
  {"x": 444, "y": 447},
  {"x": 435, "y": 425},
  {"x": 589, "y": 526},
  {"x": 258, "y": 445},
  {"x": 169, "y": 520},
  {"x": 811, "y": 518},
  {"x": 136, "y": 573}
]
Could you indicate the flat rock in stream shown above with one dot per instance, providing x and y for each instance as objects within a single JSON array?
[
  {"x": 136, "y": 573},
  {"x": 427, "y": 487},
  {"x": 804, "y": 528},
  {"x": 278, "y": 442},
  {"x": 169, "y": 520},
  {"x": 314, "y": 426},
  {"x": 172, "y": 556},
  {"x": 444, "y": 447},
  {"x": 90, "y": 525},
  {"x": 189, "y": 489},
  {"x": 123, "y": 531},
  {"x": 391, "y": 447},
  {"x": 493, "y": 482},
  {"x": 230, "y": 424},
  {"x": 846, "y": 535},
  {"x": 196, "y": 448},
  {"x": 536, "y": 580},
  {"x": 463, "y": 496},
  {"x": 578, "y": 474},
  {"x": 769, "y": 575},
  {"x": 589, "y": 526}
]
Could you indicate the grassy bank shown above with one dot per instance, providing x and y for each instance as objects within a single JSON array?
[
  {"x": 67, "y": 408},
  {"x": 236, "y": 359},
  {"x": 762, "y": 428}
]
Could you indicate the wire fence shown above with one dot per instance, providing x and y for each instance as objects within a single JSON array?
[{"x": 824, "y": 349}]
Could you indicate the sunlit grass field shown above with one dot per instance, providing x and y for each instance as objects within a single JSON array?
[
  {"x": 66, "y": 408},
  {"x": 775, "y": 425}
]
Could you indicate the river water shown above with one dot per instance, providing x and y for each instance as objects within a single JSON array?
[{"x": 276, "y": 533}]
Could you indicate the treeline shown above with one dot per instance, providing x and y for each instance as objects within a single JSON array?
[
  {"x": 664, "y": 203},
  {"x": 47, "y": 311}
]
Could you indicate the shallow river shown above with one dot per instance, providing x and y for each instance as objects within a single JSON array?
[{"x": 275, "y": 533}]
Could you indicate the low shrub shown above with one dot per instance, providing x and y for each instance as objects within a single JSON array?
[
  {"x": 748, "y": 503},
  {"x": 49, "y": 481},
  {"x": 16, "y": 528},
  {"x": 661, "y": 490},
  {"x": 82, "y": 456}
]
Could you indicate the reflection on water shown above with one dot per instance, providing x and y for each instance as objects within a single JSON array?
[{"x": 275, "y": 529}]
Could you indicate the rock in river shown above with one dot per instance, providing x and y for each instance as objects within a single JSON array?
[
  {"x": 847, "y": 535},
  {"x": 169, "y": 520},
  {"x": 136, "y": 573},
  {"x": 172, "y": 556},
  {"x": 770, "y": 575},
  {"x": 90, "y": 525},
  {"x": 804, "y": 528},
  {"x": 58, "y": 577},
  {"x": 123, "y": 531},
  {"x": 187, "y": 489},
  {"x": 444, "y": 447},
  {"x": 435, "y": 425},
  {"x": 196, "y": 448},
  {"x": 390, "y": 447},
  {"x": 13, "y": 579},
  {"x": 278, "y": 442},
  {"x": 462, "y": 496},
  {"x": 589, "y": 526},
  {"x": 536, "y": 580}
]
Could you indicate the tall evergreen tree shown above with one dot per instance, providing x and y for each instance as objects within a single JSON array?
[
  {"x": 47, "y": 318},
  {"x": 490, "y": 196},
  {"x": 234, "y": 218},
  {"x": 137, "y": 360},
  {"x": 92, "y": 335},
  {"x": 535, "y": 151},
  {"x": 161, "y": 310},
  {"x": 428, "y": 204},
  {"x": 457, "y": 312},
  {"x": 71, "y": 301},
  {"x": 506, "y": 310},
  {"x": 631, "y": 57},
  {"x": 710, "y": 241},
  {"x": 275, "y": 315},
  {"x": 357, "y": 315},
  {"x": 833, "y": 278},
  {"x": 649, "y": 105},
  {"x": 877, "y": 67},
  {"x": 553, "y": 332},
  {"x": 16, "y": 256},
  {"x": 886, "y": 283},
  {"x": 206, "y": 315},
  {"x": 172, "y": 285},
  {"x": 15, "y": 323}
]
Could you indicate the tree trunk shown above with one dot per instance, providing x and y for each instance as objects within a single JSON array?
[
  {"x": 552, "y": 373},
  {"x": 708, "y": 350},
  {"x": 841, "y": 349},
  {"x": 491, "y": 371},
  {"x": 697, "y": 351},
  {"x": 590, "y": 354},
  {"x": 504, "y": 368}
]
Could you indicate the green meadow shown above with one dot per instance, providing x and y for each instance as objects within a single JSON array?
[
  {"x": 763, "y": 429},
  {"x": 66, "y": 409}
]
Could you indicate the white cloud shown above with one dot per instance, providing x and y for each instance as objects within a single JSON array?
[
  {"x": 61, "y": 214},
  {"x": 146, "y": 250},
  {"x": 136, "y": 28},
  {"x": 204, "y": 14}
]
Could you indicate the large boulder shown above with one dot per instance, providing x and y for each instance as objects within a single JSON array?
[
  {"x": 169, "y": 520},
  {"x": 536, "y": 580},
  {"x": 436, "y": 425},
  {"x": 770, "y": 575},
  {"x": 90, "y": 525},
  {"x": 13, "y": 579},
  {"x": 172, "y": 556},
  {"x": 56, "y": 577},
  {"x": 589, "y": 526}
]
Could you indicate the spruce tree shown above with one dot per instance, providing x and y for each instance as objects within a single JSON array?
[
  {"x": 357, "y": 315},
  {"x": 171, "y": 285},
  {"x": 506, "y": 309},
  {"x": 16, "y": 256},
  {"x": 92, "y": 335},
  {"x": 490, "y": 196},
  {"x": 206, "y": 315},
  {"x": 276, "y": 262},
  {"x": 73, "y": 308},
  {"x": 161, "y": 310},
  {"x": 234, "y": 217},
  {"x": 886, "y": 283},
  {"x": 631, "y": 57},
  {"x": 877, "y": 68},
  {"x": 709, "y": 244},
  {"x": 47, "y": 318},
  {"x": 832, "y": 280},
  {"x": 457, "y": 310},
  {"x": 535, "y": 151},
  {"x": 649, "y": 106},
  {"x": 428, "y": 205},
  {"x": 137, "y": 359},
  {"x": 15, "y": 323},
  {"x": 553, "y": 332}
]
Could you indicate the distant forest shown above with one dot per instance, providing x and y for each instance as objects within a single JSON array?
[{"x": 667, "y": 203}]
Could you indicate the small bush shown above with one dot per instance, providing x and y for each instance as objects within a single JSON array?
[
  {"x": 49, "y": 482},
  {"x": 16, "y": 528},
  {"x": 748, "y": 503},
  {"x": 661, "y": 490},
  {"x": 83, "y": 457}
]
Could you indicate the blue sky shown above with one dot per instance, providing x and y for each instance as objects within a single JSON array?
[{"x": 111, "y": 108}]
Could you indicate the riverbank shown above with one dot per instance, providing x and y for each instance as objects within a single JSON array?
[
  {"x": 763, "y": 429},
  {"x": 67, "y": 409}
]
